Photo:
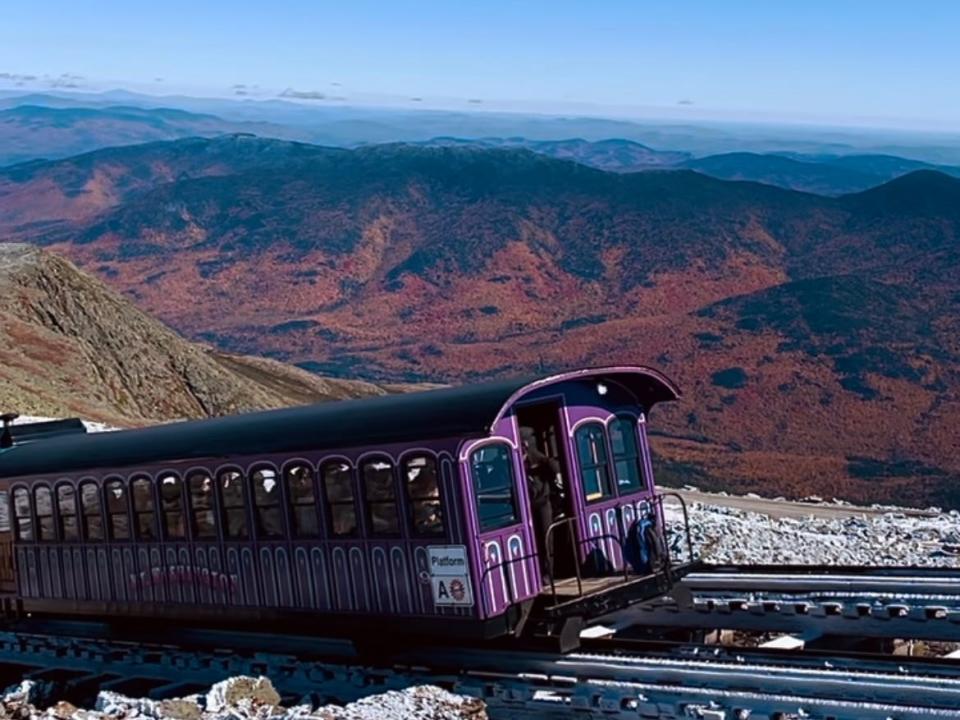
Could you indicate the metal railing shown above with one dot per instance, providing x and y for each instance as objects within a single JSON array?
[{"x": 650, "y": 508}]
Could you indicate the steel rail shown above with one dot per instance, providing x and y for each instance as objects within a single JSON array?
[{"x": 612, "y": 678}]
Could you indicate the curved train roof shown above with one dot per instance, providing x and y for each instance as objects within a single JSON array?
[{"x": 465, "y": 411}]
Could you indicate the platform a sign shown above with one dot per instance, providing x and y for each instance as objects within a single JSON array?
[{"x": 450, "y": 576}]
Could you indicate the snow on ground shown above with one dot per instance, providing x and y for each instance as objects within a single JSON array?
[
  {"x": 89, "y": 424},
  {"x": 244, "y": 698},
  {"x": 723, "y": 534}
]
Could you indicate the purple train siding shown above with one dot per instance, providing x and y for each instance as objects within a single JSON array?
[
  {"x": 355, "y": 576},
  {"x": 505, "y": 576},
  {"x": 466, "y": 575}
]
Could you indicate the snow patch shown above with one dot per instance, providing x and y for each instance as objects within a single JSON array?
[{"x": 90, "y": 425}]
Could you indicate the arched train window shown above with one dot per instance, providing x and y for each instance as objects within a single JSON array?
[
  {"x": 234, "y": 500},
  {"x": 92, "y": 512},
  {"x": 304, "y": 521},
  {"x": 421, "y": 482},
  {"x": 171, "y": 499},
  {"x": 47, "y": 530},
  {"x": 627, "y": 463},
  {"x": 592, "y": 454},
  {"x": 67, "y": 512},
  {"x": 266, "y": 500},
  {"x": 337, "y": 480},
  {"x": 118, "y": 510},
  {"x": 494, "y": 486},
  {"x": 203, "y": 523},
  {"x": 380, "y": 492},
  {"x": 144, "y": 509},
  {"x": 22, "y": 514}
]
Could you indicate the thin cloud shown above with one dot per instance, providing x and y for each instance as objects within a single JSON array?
[
  {"x": 303, "y": 94},
  {"x": 416, "y": 99},
  {"x": 17, "y": 77},
  {"x": 65, "y": 80},
  {"x": 685, "y": 102},
  {"x": 475, "y": 101},
  {"x": 158, "y": 80}
]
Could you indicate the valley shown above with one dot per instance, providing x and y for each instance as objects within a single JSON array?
[{"x": 815, "y": 337}]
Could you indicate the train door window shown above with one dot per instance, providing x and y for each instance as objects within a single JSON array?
[
  {"x": 22, "y": 514},
  {"x": 92, "y": 516},
  {"x": 423, "y": 496},
  {"x": 67, "y": 512},
  {"x": 118, "y": 510},
  {"x": 303, "y": 501},
  {"x": 266, "y": 498},
  {"x": 46, "y": 529},
  {"x": 592, "y": 452},
  {"x": 171, "y": 499},
  {"x": 380, "y": 492},
  {"x": 234, "y": 501},
  {"x": 144, "y": 509},
  {"x": 202, "y": 517},
  {"x": 626, "y": 455},
  {"x": 338, "y": 492},
  {"x": 494, "y": 486}
]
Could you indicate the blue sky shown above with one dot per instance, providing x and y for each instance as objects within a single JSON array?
[{"x": 845, "y": 61}]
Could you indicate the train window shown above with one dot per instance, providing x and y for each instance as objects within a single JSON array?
[
  {"x": 144, "y": 509},
  {"x": 494, "y": 486},
  {"x": 380, "y": 492},
  {"x": 234, "y": 505},
  {"x": 592, "y": 452},
  {"x": 203, "y": 522},
  {"x": 338, "y": 492},
  {"x": 171, "y": 503},
  {"x": 5, "y": 525},
  {"x": 22, "y": 514},
  {"x": 43, "y": 497},
  {"x": 423, "y": 495},
  {"x": 303, "y": 501},
  {"x": 118, "y": 511},
  {"x": 92, "y": 517},
  {"x": 626, "y": 455},
  {"x": 67, "y": 512},
  {"x": 266, "y": 498}
]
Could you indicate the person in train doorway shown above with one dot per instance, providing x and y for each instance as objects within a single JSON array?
[{"x": 543, "y": 486}]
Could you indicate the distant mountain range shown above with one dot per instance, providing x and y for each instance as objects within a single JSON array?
[
  {"x": 817, "y": 339},
  {"x": 55, "y": 127}
]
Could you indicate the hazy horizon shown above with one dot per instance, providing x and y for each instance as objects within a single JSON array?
[{"x": 822, "y": 65}]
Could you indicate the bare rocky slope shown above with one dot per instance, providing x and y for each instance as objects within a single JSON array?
[{"x": 71, "y": 346}]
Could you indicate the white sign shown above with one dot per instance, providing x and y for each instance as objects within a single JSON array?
[{"x": 450, "y": 575}]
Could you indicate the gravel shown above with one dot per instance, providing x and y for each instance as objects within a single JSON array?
[
  {"x": 244, "y": 698},
  {"x": 724, "y": 534}
]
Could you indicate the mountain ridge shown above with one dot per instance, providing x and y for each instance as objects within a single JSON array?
[{"x": 808, "y": 329}]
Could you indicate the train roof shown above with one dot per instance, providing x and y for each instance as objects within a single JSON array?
[{"x": 465, "y": 411}]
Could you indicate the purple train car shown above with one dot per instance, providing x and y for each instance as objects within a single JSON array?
[{"x": 398, "y": 513}]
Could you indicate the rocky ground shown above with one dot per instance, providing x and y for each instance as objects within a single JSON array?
[
  {"x": 243, "y": 698},
  {"x": 840, "y": 534}
]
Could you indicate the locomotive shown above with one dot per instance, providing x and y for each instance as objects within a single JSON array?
[{"x": 406, "y": 513}]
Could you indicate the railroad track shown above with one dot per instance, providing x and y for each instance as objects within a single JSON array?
[
  {"x": 812, "y": 602},
  {"x": 610, "y": 678}
]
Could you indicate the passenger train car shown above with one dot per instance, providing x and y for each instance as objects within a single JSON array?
[{"x": 397, "y": 513}]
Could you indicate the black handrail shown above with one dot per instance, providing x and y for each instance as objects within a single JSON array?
[{"x": 655, "y": 505}]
